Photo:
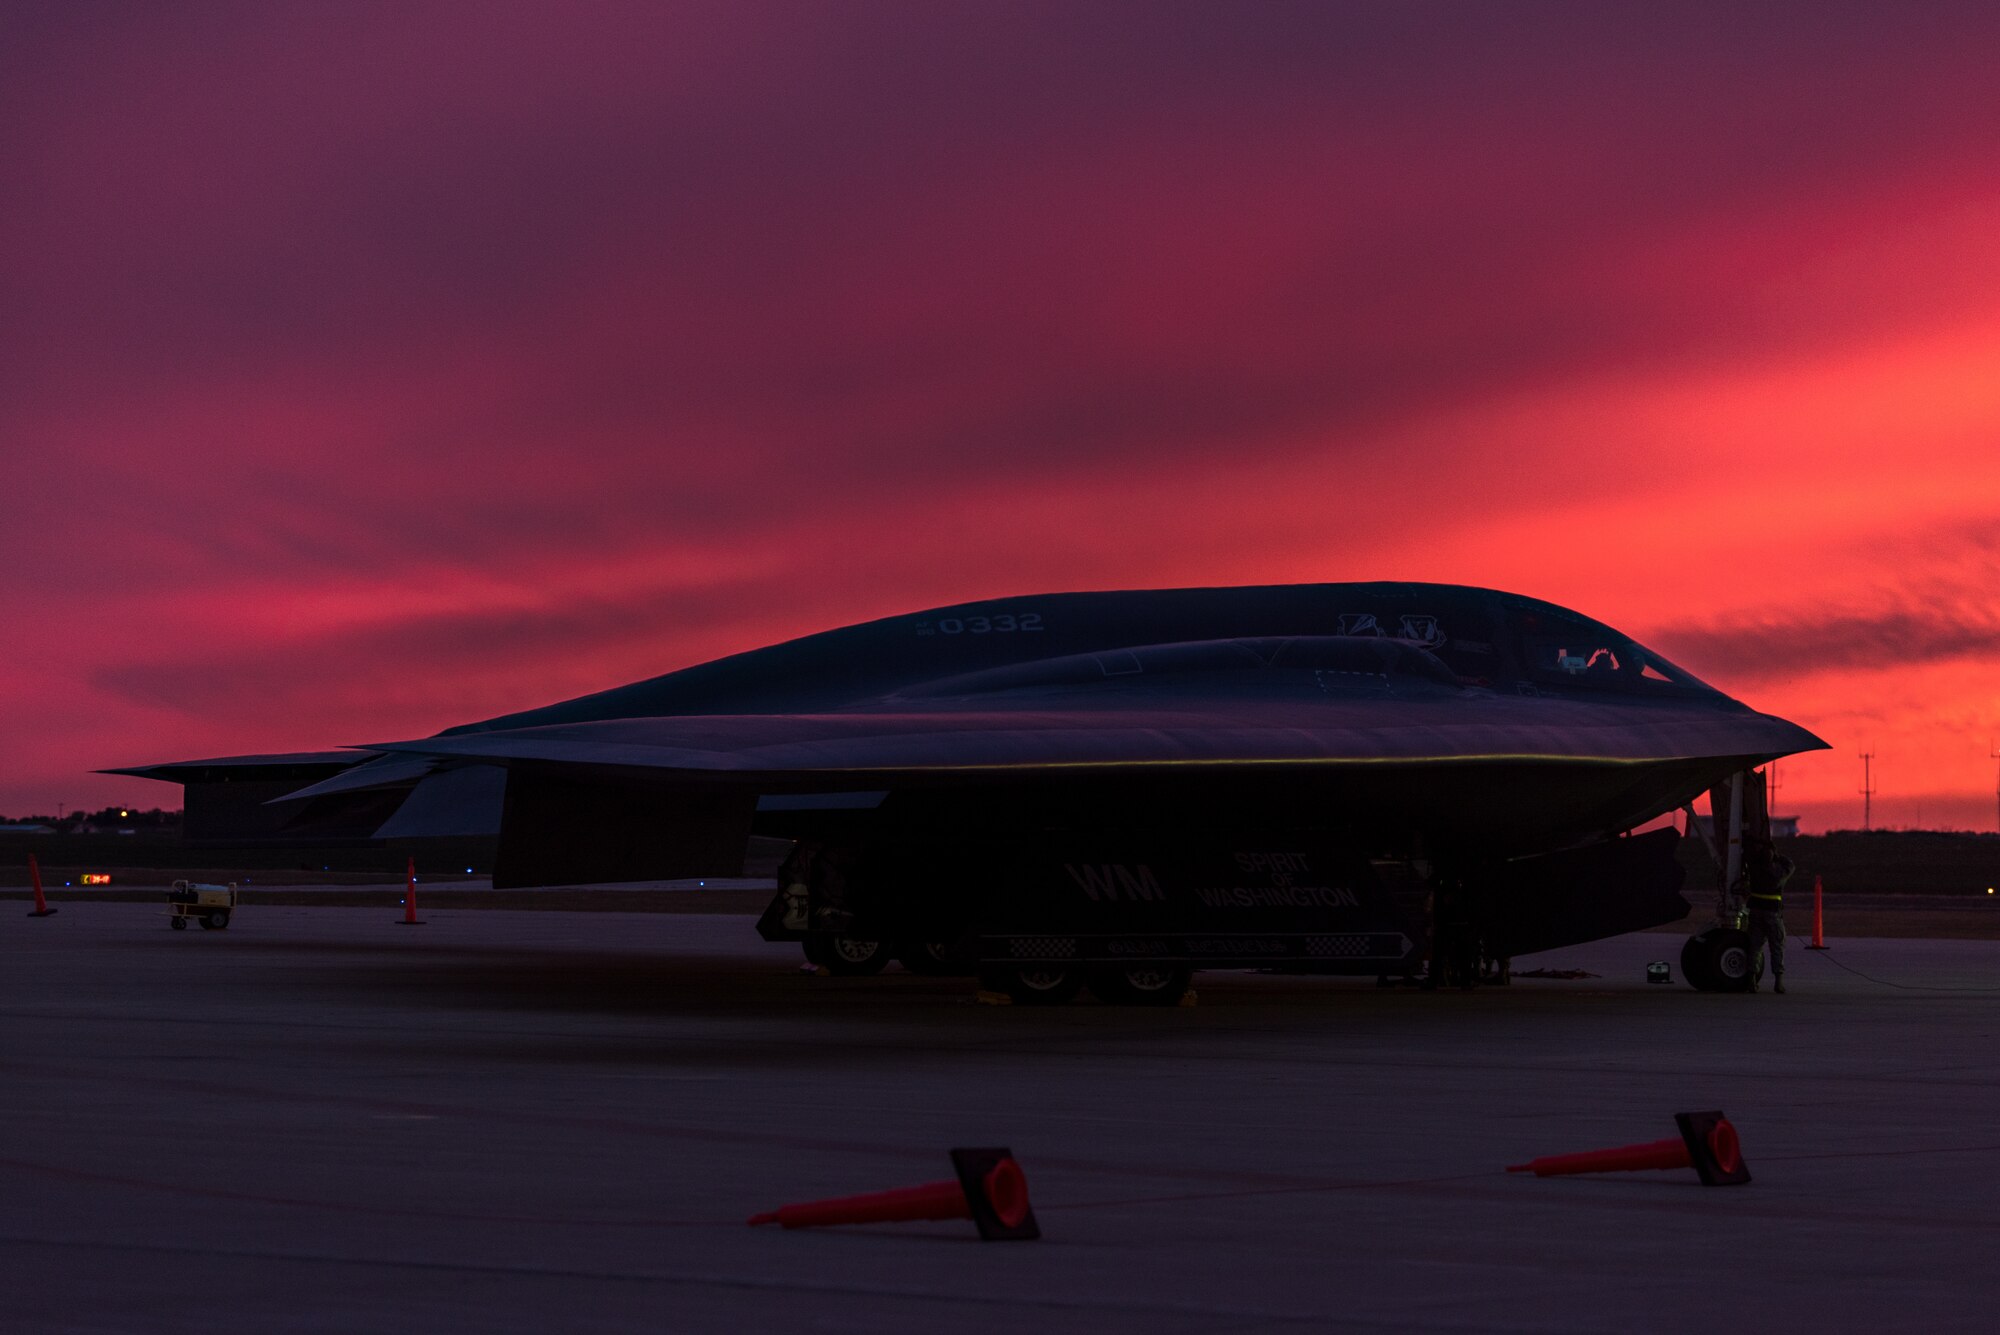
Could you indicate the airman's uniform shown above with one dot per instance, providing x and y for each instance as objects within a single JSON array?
[{"x": 1765, "y": 896}]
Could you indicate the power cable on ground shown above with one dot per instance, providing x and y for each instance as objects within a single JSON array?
[{"x": 1884, "y": 982}]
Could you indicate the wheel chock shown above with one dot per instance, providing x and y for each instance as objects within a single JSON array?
[
  {"x": 986, "y": 998},
  {"x": 990, "y": 1190},
  {"x": 1707, "y": 1143}
]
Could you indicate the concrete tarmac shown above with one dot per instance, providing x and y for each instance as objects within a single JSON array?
[{"x": 319, "y": 1120}]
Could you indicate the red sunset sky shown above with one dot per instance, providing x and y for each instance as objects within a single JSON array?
[{"x": 371, "y": 369}]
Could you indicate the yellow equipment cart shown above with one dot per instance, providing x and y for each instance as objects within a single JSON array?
[{"x": 210, "y": 905}]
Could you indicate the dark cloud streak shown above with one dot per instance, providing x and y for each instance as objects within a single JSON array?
[
  {"x": 1883, "y": 642},
  {"x": 273, "y": 681}
]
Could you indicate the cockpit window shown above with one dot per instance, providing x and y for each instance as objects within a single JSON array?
[
  {"x": 1577, "y": 657},
  {"x": 1593, "y": 658}
]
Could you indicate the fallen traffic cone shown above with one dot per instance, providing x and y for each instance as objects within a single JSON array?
[
  {"x": 41, "y": 909},
  {"x": 1819, "y": 918},
  {"x": 990, "y": 1190},
  {"x": 410, "y": 918},
  {"x": 1707, "y": 1144}
]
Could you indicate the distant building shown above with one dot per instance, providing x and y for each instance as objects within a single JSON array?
[
  {"x": 1782, "y": 827},
  {"x": 27, "y": 829}
]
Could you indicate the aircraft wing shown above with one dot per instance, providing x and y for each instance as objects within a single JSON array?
[
  {"x": 1427, "y": 716},
  {"x": 907, "y": 745}
]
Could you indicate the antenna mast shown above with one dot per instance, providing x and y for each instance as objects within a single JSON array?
[
  {"x": 1993, "y": 753},
  {"x": 1867, "y": 790}
]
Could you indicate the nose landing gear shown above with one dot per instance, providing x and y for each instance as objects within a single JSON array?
[{"x": 1718, "y": 959}]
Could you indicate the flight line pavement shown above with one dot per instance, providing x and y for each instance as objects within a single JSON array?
[
  {"x": 1847, "y": 915},
  {"x": 319, "y": 1120}
]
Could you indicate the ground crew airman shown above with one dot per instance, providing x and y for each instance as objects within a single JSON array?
[{"x": 1764, "y": 893}]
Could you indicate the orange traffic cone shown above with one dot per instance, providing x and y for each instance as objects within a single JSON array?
[
  {"x": 990, "y": 1190},
  {"x": 1707, "y": 1144},
  {"x": 410, "y": 918},
  {"x": 41, "y": 909},
  {"x": 1819, "y": 918}
]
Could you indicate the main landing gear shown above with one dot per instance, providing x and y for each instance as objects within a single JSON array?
[
  {"x": 847, "y": 956},
  {"x": 1117, "y": 984},
  {"x": 857, "y": 957}
]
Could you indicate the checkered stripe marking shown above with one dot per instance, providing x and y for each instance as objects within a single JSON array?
[
  {"x": 1357, "y": 945},
  {"x": 1041, "y": 948}
]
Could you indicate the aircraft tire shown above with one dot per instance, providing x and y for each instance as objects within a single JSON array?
[
  {"x": 1035, "y": 984},
  {"x": 930, "y": 958},
  {"x": 1140, "y": 984},
  {"x": 1718, "y": 959},
  {"x": 1694, "y": 964},
  {"x": 852, "y": 956}
]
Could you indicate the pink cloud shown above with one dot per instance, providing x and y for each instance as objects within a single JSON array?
[{"x": 378, "y": 369}]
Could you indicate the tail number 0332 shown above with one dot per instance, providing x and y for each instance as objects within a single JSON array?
[{"x": 999, "y": 623}]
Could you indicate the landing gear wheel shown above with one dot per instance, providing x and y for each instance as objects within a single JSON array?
[
  {"x": 930, "y": 958},
  {"x": 851, "y": 956},
  {"x": 1718, "y": 959},
  {"x": 1141, "y": 984},
  {"x": 178, "y": 922},
  {"x": 1035, "y": 984},
  {"x": 1694, "y": 963}
]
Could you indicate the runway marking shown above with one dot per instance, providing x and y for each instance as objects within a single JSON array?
[
  {"x": 957, "y": 1298},
  {"x": 347, "y": 1207}
]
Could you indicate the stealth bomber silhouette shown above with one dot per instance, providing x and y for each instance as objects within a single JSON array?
[{"x": 1100, "y": 788}]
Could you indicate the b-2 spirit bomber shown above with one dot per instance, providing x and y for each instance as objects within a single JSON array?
[{"x": 1102, "y": 790}]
